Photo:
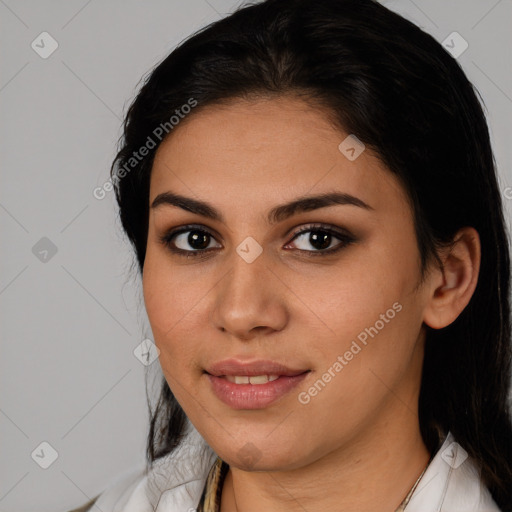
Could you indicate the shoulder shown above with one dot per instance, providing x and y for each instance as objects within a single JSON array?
[
  {"x": 451, "y": 482},
  {"x": 173, "y": 483}
]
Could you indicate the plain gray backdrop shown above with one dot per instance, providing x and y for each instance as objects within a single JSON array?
[{"x": 71, "y": 314}]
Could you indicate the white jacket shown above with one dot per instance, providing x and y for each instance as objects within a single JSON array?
[{"x": 451, "y": 482}]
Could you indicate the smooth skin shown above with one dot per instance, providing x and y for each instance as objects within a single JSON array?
[{"x": 356, "y": 446}]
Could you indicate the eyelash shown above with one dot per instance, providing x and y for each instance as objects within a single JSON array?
[{"x": 345, "y": 240}]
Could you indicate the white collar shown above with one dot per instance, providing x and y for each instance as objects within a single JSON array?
[{"x": 451, "y": 482}]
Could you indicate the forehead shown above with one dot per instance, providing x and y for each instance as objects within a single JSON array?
[{"x": 260, "y": 152}]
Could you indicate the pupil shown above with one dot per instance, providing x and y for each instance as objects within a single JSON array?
[
  {"x": 198, "y": 239},
  {"x": 321, "y": 241}
]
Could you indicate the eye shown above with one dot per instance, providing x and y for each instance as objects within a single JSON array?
[
  {"x": 193, "y": 241},
  {"x": 189, "y": 241},
  {"x": 321, "y": 238}
]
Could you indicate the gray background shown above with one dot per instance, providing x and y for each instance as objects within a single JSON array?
[{"x": 70, "y": 321}]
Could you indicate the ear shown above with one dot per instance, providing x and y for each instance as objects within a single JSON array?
[{"x": 452, "y": 286}]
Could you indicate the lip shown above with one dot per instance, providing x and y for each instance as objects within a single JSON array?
[
  {"x": 252, "y": 396},
  {"x": 252, "y": 368}
]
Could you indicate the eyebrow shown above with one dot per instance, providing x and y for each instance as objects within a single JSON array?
[{"x": 276, "y": 214}]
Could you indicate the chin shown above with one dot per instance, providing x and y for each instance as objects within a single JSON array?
[{"x": 252, "y": 457}]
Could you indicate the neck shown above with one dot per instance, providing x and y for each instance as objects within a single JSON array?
[{"x": 372, "y": 473}]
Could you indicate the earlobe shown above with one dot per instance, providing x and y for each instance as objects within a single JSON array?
[{"x": 453, "y": 286}]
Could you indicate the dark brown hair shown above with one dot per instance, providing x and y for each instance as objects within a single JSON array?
[{"x": 392, "y": 85}]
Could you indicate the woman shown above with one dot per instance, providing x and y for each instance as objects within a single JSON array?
[{"x": 310, "y": 191}]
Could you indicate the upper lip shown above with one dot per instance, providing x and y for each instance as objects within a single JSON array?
[{"x": 251, "y": 368}]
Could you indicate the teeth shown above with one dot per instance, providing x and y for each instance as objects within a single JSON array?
[{"x": 256, "y": 379}]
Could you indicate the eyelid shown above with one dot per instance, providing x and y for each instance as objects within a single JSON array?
[{"x": 304, "y": 228}]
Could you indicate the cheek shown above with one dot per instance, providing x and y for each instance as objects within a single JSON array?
[
  {"x": 351, "y": 296},
  {"x": 176, "y": 302},
  {"x": 167, "y": 313},
  {"x": 374, "y": 320},
  {"x": 368, "y": 364},
  {"x": 168, "y": 304}
]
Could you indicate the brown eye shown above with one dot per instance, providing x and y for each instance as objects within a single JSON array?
[
  {"x": 322, "y": 239},
  {"x": 189, "y": 241},
  {"x": 196, "y": 239}
]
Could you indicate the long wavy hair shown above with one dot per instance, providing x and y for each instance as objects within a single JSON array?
[{"x": 382, "y": 78}]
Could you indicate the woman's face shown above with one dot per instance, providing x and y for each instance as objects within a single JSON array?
[{"x": 325, "y": 296}]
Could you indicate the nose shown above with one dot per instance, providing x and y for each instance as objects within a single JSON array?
[{"x": 250, "y": 300}]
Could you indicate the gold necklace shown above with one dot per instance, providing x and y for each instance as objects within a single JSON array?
[{"x": 406, "y": 500}]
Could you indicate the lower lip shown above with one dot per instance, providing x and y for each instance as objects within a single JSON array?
[{"x": 253, "y": 396}]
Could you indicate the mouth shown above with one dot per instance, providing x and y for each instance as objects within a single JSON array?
[
  {"x": 245, "y": 379},
  {"x": 257, "y": 368},
  {"x": 252, "y": 385}
]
